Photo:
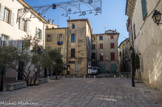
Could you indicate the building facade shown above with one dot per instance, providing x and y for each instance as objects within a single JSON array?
[
  {"x": 56, "y": 38},
  {"x": 105, "y": 51},
  {"x": 124, "y": 56},
  {"x": 17, "y": 23},
  {"x": 145, "y": 37},
  {"x": 79, "y": 46},
  {"x": 74, "y": 43}
]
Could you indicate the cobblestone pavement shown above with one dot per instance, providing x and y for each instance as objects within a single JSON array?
[{"x": 83, "y": 92}]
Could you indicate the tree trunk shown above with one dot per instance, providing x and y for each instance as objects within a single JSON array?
[
  {"x": 56, "y": 74},
  {"x": 35, "y": 78}
]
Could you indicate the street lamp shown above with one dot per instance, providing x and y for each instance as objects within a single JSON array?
[
  {"x": 133, "y": 66},
  {"x": 157, "y": 17}
]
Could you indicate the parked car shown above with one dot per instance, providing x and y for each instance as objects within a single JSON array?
[{"x": 93, "y": 70}]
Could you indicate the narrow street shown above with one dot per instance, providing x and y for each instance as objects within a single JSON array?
[{"x": 81, "y": 92}]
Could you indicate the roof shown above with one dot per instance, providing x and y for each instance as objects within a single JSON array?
[
  {"x": 130, "y": 5},
  {"x": 74, "y": 20},
  {"x": 123, "y": 41},
  {"x": 56, "y": 28},
  {"x": 32, "y": 10},
  {"x": 108, "y": 32}
]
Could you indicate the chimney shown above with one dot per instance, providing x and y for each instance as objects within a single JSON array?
[
  {"x": 49, "y": 21},
  {"x": 53, "y": 22}
]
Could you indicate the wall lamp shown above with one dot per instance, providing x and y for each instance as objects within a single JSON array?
[{"x": 157, "y": 17}]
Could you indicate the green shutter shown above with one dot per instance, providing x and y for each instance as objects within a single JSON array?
[
  {"x": 144, "y": 10},
  {"x": 2, "y": 10}
]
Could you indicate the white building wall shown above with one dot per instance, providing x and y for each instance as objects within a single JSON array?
[
  {"x": 148, "y": 43},
  {"x": 12, "y": 30}
]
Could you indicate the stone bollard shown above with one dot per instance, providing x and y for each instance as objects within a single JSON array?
[
  {"x": 84, "y": 76},
  {"x": 114, "y": 76},
  {"x": 94, "y": 76}
]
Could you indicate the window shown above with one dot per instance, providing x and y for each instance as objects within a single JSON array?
[
  {"x": 49, "y": 38},
  {"x": 60, "y": 37},
  {"x": 39, "y": 34},
  {"x": 93, "y": 39},
  {"x": 4, "y": 40},
  {"x": 111, "y": 37},
  {"x": 7, "y": 15},
  {"x": 134, "y": 31},
  {"x": 101, "y": 57},
  {"x": 72, "y": 53},
  {"x": 112, "y": 45},
  {"x": 101, "y": 46},
  {"x": 112, "y": 56},
  {"x": 73, "y": 26},
  {"x": 93, "y": 46},
  {"x": 144, "y": 8},
  {"x": 72, "y": 37},
  {"x": 100, "y": 37},
  {"x": 23, "y": 25},
  {"x": 93, "y": 56}
]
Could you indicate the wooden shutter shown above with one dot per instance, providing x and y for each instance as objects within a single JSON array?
[
  {"x": 28, "y": 27},
  {"x": 112, "y": 56},
  {"x": 101, "y": 46},
  {"x": 112, "y": 45},
  {"x": 21, "y": 24},
  {"x": 144, "y": 10},
  {"x": 72, "y": 53},
  {"x": 2, "y": 10},
  {"x": 36, "y": 32},
  {"x": 12, "y": 18}
]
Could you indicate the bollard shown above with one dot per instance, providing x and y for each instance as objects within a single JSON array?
[
  {"x": 84, "y": 76},
  {"x": 94, "y": 76}
]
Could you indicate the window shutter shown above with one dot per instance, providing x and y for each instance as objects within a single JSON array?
[
  {"x": 12, "y": 18},
  {"x": 19, "y": 45},
  {"x": 2, "y": 8},
  {"x": 144, "y": 10},
  {"x": 57, "y": 37},
  {"x": 28, "y": 28},
  {"x": 21, "y": 24},
  {"x": 63, "y": 37},
  {"x": 36, "y": 32}
]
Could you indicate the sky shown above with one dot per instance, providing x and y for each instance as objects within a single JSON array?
[{"x": 112, "y": 17}]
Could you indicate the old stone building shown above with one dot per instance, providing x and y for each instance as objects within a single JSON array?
[
  {"x": 105, "y": 51},
  {"x": 74, "y": 43},
  {"x": 124, "y": 56},
  {"x": 145, "y": 37},
  {"x": 79, "y": 46},
  {"x": 56, "y": 38}
]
